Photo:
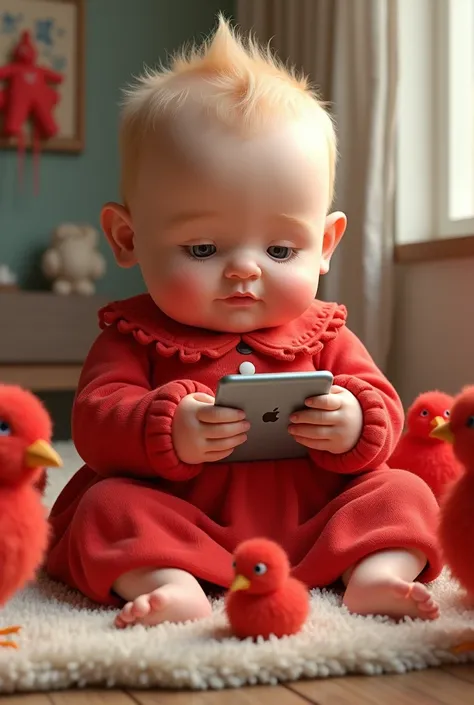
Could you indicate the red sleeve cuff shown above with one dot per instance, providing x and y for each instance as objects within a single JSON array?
[
  {"x": 159, "y": 443},
  {"x": 373, "y": 447}
]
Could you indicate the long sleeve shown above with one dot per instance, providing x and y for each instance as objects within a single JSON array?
[
  {"x": 353, "y": 368},
  {"x": 120, "y": 424}
]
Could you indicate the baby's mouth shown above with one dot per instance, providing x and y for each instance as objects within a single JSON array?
[
  {"x": 242, "y": 295},
  {"x": 241, "y": 299}
]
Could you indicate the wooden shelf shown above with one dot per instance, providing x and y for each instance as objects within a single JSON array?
[
  {"x": 41, "y": 328},
  {"x": 42, "y": 378},
  {"x": 45, "y": 338}
]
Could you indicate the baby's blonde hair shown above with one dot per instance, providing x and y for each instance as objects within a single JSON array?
[{"x": 238, "y": 83}]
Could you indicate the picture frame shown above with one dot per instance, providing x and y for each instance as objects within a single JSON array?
[{"x": 58, "y": 30}]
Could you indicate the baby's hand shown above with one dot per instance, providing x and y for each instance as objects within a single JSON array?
[
  {"x": 333, "y": 422},
  {"x": 205, "y": 433}
]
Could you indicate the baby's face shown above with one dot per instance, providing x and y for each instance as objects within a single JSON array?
[{"x": 230, "y": 238}]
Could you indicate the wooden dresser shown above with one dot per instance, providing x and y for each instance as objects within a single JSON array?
[{"x": 44, "y": 338}]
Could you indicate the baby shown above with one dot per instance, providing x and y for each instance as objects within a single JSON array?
[{"x": 228, "y": 165}]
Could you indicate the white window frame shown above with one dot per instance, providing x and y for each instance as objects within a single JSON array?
[
  {"x": 454, "y": 50},
  {"x": 430, "y": 35}
]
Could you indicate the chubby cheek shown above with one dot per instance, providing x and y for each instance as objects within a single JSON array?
[
  {"x": 189, "y": 282},
  {"x": 295, "y": 288},
  {"x": 175, "y": 285}
]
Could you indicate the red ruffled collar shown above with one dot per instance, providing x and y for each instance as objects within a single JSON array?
[{"x": 139, "y": 316}]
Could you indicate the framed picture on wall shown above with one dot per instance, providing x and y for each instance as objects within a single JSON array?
[{"x": 53, "y": 32}]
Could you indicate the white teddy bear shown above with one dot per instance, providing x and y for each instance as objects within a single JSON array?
[{"x": 73, "y": 261}]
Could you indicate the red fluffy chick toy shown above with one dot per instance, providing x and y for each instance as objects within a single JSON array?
[
  {"x": 457, "y": 508},
  {"x": 456, "y": 526},
  {"x": 420, "y": 451},
  {"x": 25, "y": 434},
  {"x": 263, "y": 598}
]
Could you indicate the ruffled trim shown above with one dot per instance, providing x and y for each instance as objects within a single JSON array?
[
  {"x": 140, "y": 317},
  {"x": 308, "y": 334}
]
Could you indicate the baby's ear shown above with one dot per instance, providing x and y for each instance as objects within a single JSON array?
[
  {"x": 118, "y": 228},
  {"x": 334, "y": 229}
]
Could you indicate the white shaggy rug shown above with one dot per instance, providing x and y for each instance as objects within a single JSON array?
[{"x": 66, "y": 641}]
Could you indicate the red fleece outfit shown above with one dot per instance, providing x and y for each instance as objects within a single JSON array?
[{"x": 135, "y": 504}]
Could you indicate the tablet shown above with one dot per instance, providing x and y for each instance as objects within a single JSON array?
[{"x": 268, "y": 401}]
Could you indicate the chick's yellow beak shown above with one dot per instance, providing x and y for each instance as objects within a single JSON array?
[
  {"x": 240, "y": 583},
  {"x": 40, "y": 454},
  {"x": 436, "y": 423},
  {"x": 443, "y": 432}
]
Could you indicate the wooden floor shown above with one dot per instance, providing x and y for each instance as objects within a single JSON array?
[{"x": 451, "y": 685}]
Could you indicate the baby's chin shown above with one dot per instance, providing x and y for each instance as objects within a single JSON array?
[
  {"x": 222, "y": 326},
  {"x": 222, "y": 319},
  {"x": 235, "y": 322}
]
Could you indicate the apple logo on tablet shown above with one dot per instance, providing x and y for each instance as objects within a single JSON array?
[{"x": 271, "y": 416}]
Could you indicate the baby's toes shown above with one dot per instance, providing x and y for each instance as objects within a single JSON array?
[
  {"x": 119, "y": 623},
  {"x": 426, "y": 605},
  {"x": 124, "y": 618},
  {"x": 420, "y": 593},
  {"x": 141, "y": 607},
  {"x": 424, "y": 600},
  {"x": 429, "y": 608},
  {"x": 126, "y": 614},
  {"x": 157, "y": 600}
]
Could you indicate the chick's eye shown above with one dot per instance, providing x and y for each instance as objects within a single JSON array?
[
  {"x": 260, "y": 569},
  {"x": 424, "y": 412},
  {"x": 470, "y": 422},
  {"x": 202, "y": 251},
  {"x": 234, "y": 564},
  {"x": 447, "y": 412},
  {"x": 5, "y": 429},
  {"x": 280, "y": 252}
]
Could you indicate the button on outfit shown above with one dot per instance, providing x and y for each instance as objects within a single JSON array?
[{"x": 247, "y": 368}]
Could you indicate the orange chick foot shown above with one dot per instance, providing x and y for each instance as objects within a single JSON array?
[
  {"x": 463, "y": 648},
  {"x": 7, "y": 643}
]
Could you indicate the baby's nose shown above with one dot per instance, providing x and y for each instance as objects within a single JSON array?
[{"x": 243, "y": 268}]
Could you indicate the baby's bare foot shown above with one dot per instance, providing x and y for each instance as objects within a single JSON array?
[
  {"x": 156, "y": 596},
  {"x": 391, "y": 596},
  {"x": 169, "y": 603}
]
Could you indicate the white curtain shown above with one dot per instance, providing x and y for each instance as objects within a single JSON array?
[{"x": 348, "y": 49}]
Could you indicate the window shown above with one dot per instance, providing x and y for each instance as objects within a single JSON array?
[
  {"x": 435, "y": 151},
  {"x": 455, "y": 58}
]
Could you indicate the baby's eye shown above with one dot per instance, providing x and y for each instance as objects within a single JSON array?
[
  {"x": 447, "y": 412},
  {"x": 470, "y": 422},
  {"x": 202, "y": 251},
  {"x": 424, "y": 412},
  {"x": 280, "y": 252},
  {"x": 5, "y": 429}
]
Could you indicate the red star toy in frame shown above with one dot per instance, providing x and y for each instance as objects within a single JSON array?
[{"x": 28, "y": 96}]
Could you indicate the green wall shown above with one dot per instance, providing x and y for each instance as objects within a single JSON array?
[{"x": 121, "y": 36}]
